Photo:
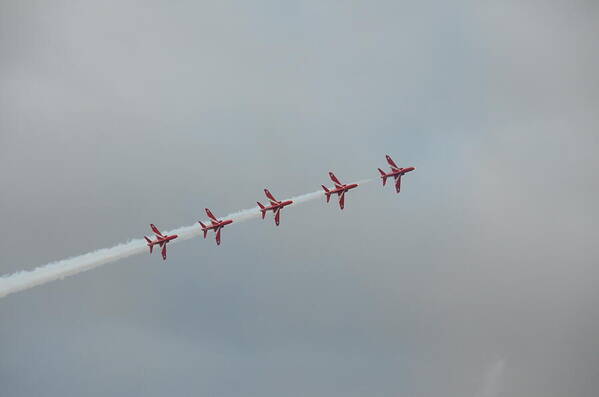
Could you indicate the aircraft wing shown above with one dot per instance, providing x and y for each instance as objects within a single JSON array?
[
  {"x": 277, "y": 216},
  {"x": 164, "y": 252},
  {"x": 156, "y": 231},
  {"x": 392, "y": 163},
  {"x": 272, "y": 198},
  {"x": 210, "y": 215},
  {"x": 342, "y": 199},
  {"x": 398, "y": 184},
  {"x": 218, "y": 235},
  {"x": 334, "y": 179}
]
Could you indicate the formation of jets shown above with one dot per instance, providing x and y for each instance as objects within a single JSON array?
[{"x": 340, "y": 189}]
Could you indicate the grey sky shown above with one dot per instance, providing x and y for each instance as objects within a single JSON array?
[{"x": 480, "y": 279}]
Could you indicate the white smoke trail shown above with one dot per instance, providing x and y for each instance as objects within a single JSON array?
[{"x": 23, "y": 280}]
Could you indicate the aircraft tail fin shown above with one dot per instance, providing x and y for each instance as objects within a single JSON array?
[
  {"x": 203, "y": 228},
  {"x": 261, "y": 209},
  {"x": 149, "y": 243},
  {"x": 383, "y": 176},
  {"x": 327, "y": 192}
]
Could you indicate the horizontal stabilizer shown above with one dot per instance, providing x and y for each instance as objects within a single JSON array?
[
  {"x": 262, "y": 209},
  {"x": 204, "y": 229},
  {"x": 327, "y": 192},
  {"x": 149, "y": 243},
  {"x": 383, "y": 176}
]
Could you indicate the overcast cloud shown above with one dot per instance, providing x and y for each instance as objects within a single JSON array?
[{"x": 479, "y": 279}]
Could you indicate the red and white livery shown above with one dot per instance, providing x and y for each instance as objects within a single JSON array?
[
  {"x": 215, "y": 224},
  {"x": 161, "y": 240},
  {"x": 396, "y": 172},
  {"x": 340, "y": 189},
  {"x": 275, "y": 206}
]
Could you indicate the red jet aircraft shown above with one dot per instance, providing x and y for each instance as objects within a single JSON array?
[
  {"x": 275, "y": 206},
  {"x": 216, "y": 225},
  {"x": 340, "y": 189},
  {"x": 161, "y": 240},
  {"x": 396, "y": 172}
]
